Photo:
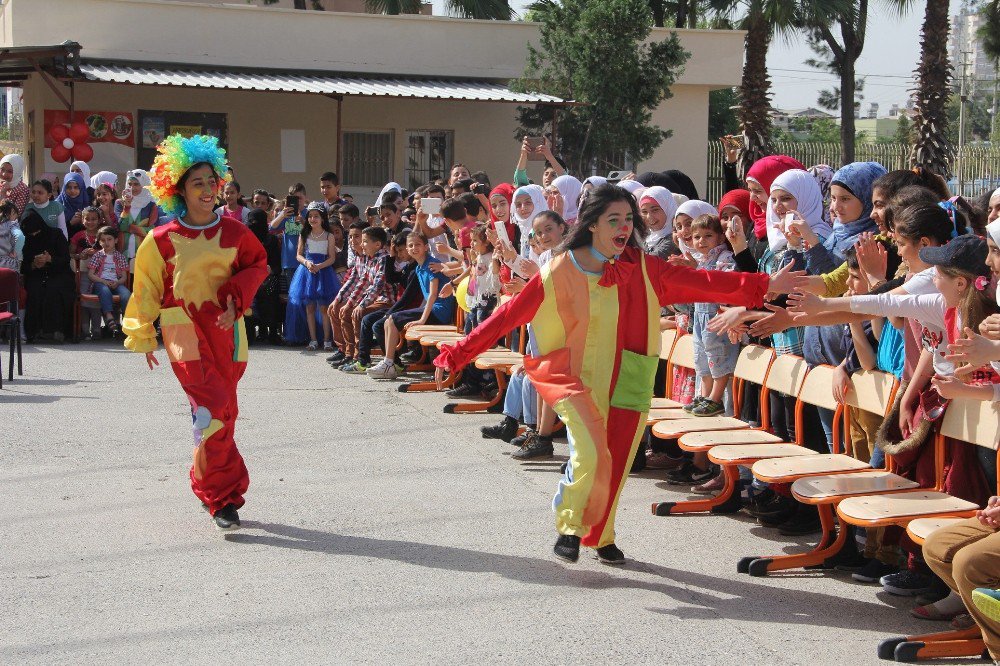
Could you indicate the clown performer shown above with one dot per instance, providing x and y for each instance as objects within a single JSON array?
[
  {"x": 595, "y": 311},
  {"x": 199, "y": 274}
]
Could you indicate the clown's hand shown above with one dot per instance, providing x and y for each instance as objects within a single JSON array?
[
  {"x": 439, "y": 378},
  {"x": 151, "y": 360},
  {"x": 228, "y": 316}
]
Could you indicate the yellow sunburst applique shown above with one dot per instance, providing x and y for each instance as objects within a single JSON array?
[{"x": 201, "y": 267}]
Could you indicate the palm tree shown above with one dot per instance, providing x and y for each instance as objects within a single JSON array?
[
  {"x": 475, "y": 9},
  {"x": 932, "y": 149},
  {"x": 989, "y": 31},
  {"x": 763, "y": 20}
]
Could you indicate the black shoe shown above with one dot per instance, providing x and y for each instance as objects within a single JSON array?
[
  {"x": 409, "y": 357},
  {"x": 336, "y": 358},
  {"x": 504, "y": 430},
  {"x": 777, "y": 511},
  {"x": 759, "y": 502},
  {"x": 567, "y": 547},
  {"x": 689, "y": 475},
  {"x": 227, "y": 518},
  {"x": 464, "y": 391},
  {"x": 523, "y": 437},
  {"x": 804, "y": 521},
  {"x": 536, "y": 446},
  {"x": 611, "y": 554}
]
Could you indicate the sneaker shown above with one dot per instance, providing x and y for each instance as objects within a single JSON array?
[
  {"x": 505, "y": 430},
  {"x": 873, "y": 571},
  {"x": 758, "y": 502},
  {"x": 710, "y": 487},
  {"x": 708, "y": 408},
  {"x": 384, "y": 370},
  {"x": 777, "y": 512},
  {"x": 354, "y": 368},
  {"x": 567, "y": 547},
  {"x": 327, "y": 346},
  {"x": 464, "y": 391},
  {"x": 312, "y": 346},
  {"x": 336, "y": 358},
  {"x": 804, "y": 521},
  {"x": 849, "y": 560},
  {"x": 400, "y": 369},
  {"x": 906, "y": 583},
  {"x": 409, "y": 357},
  {"x": 694, "y": 403},
  {"x": 535, "y": 446},
  {"x": 227, "y": 518},
  {"x": 988, "y": 602},
  {"x": 662, "y": 461},
  {"x": 523, "y": 437},
  {"x": 611, "y": 554},
  {"x": 688, "y": 474}
]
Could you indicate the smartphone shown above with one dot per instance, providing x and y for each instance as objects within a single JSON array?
[
  {"x": 534, "y": 143},
  {"x": 733, "y": 142},
  {"x": 480, "y": 188},
  {"x": 789, "y": 218},
  {"x": 616, "y": 176},
  {"x": 292, "y": 201},
  {"x": 371, "y": 211},
  {"x": 502, "y": 232},
  {"x": 430, "y": 205}
]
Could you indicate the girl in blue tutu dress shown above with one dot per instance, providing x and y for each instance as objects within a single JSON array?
[{"x": 315, "y": 283}]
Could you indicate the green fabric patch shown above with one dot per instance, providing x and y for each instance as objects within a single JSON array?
[{"x": 634, "y": 389}]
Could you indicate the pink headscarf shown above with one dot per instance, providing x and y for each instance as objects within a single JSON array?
[{"x": 763, "y": 172}]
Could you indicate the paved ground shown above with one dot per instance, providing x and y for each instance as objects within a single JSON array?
[{"x": 377, "y": 530}]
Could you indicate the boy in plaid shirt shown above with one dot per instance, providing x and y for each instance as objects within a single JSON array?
[
  {"x": 365, "y": 290},
  {"x": 108, "y": 272}
]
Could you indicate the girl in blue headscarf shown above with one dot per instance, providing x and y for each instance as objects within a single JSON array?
[
  {"x": 74, "y": 198},
  {"x": 851, "y": 206}
]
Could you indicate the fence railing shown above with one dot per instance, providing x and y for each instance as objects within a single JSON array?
[{"x": 981, "y": 168}]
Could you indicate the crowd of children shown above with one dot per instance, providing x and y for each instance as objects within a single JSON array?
[{"x": 899, "y": 276}]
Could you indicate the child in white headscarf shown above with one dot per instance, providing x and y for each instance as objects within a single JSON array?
[{"x": 136, "y": 210}]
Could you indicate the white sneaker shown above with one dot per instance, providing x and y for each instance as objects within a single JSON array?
[
  {"x": 327, "y": 346},
  {"x": 313, "y": 346},
  {"x": 384, "y": 370}
]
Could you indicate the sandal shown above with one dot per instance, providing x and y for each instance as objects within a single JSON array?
[{"x": 930, "y": 612}]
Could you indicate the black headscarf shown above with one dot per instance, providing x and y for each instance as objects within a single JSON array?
[
  {"x": 652, "y": 178},
  {"x": 683, "y": 184},
  {"x": 32, "y": 223}
]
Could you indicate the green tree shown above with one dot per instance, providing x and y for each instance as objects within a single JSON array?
[
  {"x": 722, "y": 105},
  {"x": 977, "y": 117},
  {"x": 596, "y": 53},
  {"x": 904, "y": 131},
  {"x": 475, "y": 9},
  {"x": 763, "y": 19},
  {"x": 932, "y": 149},
  {"x": 989, "y": 31}
]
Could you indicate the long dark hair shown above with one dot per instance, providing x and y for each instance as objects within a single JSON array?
[
  {"x": 324, "y": 224},
  {"x": 595, "y": 205}
]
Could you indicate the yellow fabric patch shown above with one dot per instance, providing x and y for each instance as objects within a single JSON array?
[{"x": 201, "y": 267}]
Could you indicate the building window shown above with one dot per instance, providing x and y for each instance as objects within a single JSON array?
[
  {"x": 429, "y": 155},
  {"x": 367, "y": 159}
]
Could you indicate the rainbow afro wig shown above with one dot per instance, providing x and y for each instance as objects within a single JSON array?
[{"x": 176, "y": 155}]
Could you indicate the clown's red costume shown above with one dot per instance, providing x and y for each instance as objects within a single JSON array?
[
  {"x": 185, "y": 276},
  {"x": 599, "y": 341}
]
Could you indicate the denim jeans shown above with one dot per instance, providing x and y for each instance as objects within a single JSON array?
[
  {"x": 520, "y": 401},
  {"x": 106, "y": 294}
]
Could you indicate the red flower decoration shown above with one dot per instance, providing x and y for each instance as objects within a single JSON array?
[
  {"x": 982, "y": 282},
  {"x": 71, "y": 142}
]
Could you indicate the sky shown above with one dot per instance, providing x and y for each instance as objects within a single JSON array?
[{"x": 891, "y": 50}]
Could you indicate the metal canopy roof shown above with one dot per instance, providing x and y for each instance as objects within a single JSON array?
[{"x": 335, "y": 85}]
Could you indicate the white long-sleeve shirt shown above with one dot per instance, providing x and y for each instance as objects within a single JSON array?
[{"x": 927, "y": 309}]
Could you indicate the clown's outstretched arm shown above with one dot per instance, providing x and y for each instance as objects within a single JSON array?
[
  {"x": 516, "y": 312},
  {"x": 680, "y": 284},
  {"x": 147, "y": 297}
]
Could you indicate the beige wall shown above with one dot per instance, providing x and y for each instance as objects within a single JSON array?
[
  {"x": 356, "y": 6},
  {"x": 217, "y": 34}
]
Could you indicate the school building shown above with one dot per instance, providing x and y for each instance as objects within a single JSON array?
[{"x": 293, "y": 93}]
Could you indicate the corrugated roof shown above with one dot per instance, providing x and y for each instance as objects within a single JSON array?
[{"x": 276, "y": 81}]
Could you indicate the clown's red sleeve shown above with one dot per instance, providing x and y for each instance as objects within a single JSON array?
[
  {"x": 516, "y": 312},
  {"x": 249, "y": 271},
  {"x": 680, "y": 284}
]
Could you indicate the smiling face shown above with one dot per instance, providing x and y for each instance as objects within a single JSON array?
[
  {"x": 354, "y": 238},
  {"x": 91, "y": 221},
  {"x": 370, "y": 246},
  {"x": 727, "y": 213},
  {"x": 845, "y": 206},
  {"x": 909, "y": 251},
  {"x": 104, "y": 197},
  {"x": 548, "y": 233},
  {"x": 200, "y": 191},
  {"x": 72, "y": 189},
  {"x": 757, "y": 193},
  {"x": 856, "y": 284},
  {"x": 782, "y": 202},
  {"x": 459, "y": 172},
  {"x": 135, "y": 187},
  {"x": 6, "y": 172},
  {"x": 613, "y": 229},
  {"x": 878, "y": 210},
  {"x": 389, "y": 217},
  {"x": 501, "y": 209},
  {"x": 652, "y": 214},
  {"x": 232, "y": 195},
  {"x": 682, "y": 228},
  {"x": 315, "y": 220},
  {"x": 416, "y": 248}
]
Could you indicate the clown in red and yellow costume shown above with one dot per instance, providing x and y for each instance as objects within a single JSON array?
[
  {"x": 198, "y": 274},
  {"x": 596, "y": 322}
]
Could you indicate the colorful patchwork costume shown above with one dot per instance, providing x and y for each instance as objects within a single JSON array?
[
  {"x": 599, "y": 341},
  {"x": 185, "y": 275}
]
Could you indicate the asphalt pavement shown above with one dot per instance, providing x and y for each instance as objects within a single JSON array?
[{"x": 377, "y": 530}]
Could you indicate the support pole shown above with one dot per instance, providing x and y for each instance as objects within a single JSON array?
[{"x": 340, "y": 113}]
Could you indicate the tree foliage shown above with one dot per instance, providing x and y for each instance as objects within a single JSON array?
[
  {"x": 932, "y": 148},
  {"x": 595, "y": 52},
  {"x": 989, "y": 31},
  {"x": 722, "y": 119}
]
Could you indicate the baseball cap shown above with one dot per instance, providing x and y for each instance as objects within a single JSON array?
[{"x": 965, "y": 253}]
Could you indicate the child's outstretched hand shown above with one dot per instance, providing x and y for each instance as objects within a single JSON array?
[
  {"x": 228, "y": 316},
  {"x": 151, "y": 360},
  {"x": 803, "y": 303},
  {"x": 683, "y": 260}
]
